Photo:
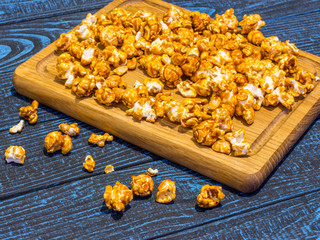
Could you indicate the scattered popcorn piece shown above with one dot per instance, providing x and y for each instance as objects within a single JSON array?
[
  {"x": 55, "y": 141},
  {"x": 15, "y": 154},
  {"x": 222, "y": 146},
  {"x": 207, "y": 132},
  {"x": 238, "y": 142},
  {"x": 210, "y": 196},
  {"x": 71, "y": 130},
  {"x": 152, "y": 172},
  {"x": 174, "y": 111},
  {"x": 17, "y": 128},
  {"x": 30, "y": 112},
  {"x": 142, "y": 185},
  {"x": 89, "y": 163},
  {"x": 100, "y": 139},
  {"x": 250, "y": 23},
  {"x": 166, "y": 191},
  {"x": 109, "y": 169},
  {"x": 117, "y": 197}
]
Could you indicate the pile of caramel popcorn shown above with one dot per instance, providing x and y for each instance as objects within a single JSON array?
[{"x": 223, "y": 68}]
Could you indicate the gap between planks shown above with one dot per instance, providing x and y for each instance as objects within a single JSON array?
[{"x": 261, "y": 207}]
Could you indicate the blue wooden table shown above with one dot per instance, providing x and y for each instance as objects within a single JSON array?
[{"x": 51, "y": 196}]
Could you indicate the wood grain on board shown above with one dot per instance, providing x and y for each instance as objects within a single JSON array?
[{"x": 272, "y": 135}]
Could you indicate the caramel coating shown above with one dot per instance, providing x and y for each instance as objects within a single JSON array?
[
  {"x": 222, "y": 146},
  {"x": 15, "y": 154},
  {"x": 207, "y": 132},
  {"x": 71, "y": 130},
  {"x": 117, "y": 197},
  {"x": 210, "y": 196},
  {"x": 171, "y": 75},
  {"x": 100, "y": 140},
  {"x": 166, "y": 191},
  {"x": 238, "y": 142},
  {"x": 55, "y": 141},
  {"x": 30, "y": 112},
  {"x": 142, "y": 185},
  {"x": 89, "y": 163}
]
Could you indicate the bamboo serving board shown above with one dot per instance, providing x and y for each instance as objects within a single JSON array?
[{"x": 273, "y": 133}]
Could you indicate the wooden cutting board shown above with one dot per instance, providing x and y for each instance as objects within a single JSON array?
[{"x": 273, "y": 133}]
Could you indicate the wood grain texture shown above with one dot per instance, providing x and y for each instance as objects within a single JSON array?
[
  {"x": 14, "y": 11},
  {"x": 271, "y": 137},
  {"x": 42, "y": 169},
  {"x": 77, "y": 208},
  {"x": 296, "y": 218}
]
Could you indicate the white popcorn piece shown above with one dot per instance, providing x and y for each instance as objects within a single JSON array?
[
  {"x": 152, "y": 172},
  {"x": 15, "y": 154},
  {"x": 257, "y": 94},
  {"x": 17, "y": 128}
]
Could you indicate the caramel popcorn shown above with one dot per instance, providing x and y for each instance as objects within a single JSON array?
[
  {"x": 55, "y": 141},
  {"x": 186, "y": 89},
  {"x": 207, "y": 132},
  {"x": 30, "y": 112},
  {"x": 210, "y": 196},
  {"x": 250, "y": 23},
  {"x": 166, "y": 191},
  {"x": 154, "y": 85},
  {"x": 171, "y": 75},
  {"x": 222, "y": 146},
  {"x": 238, "y": 142},
  {"x": 89, "y": 163},
  {"x": 15, "y": 154},
  {"x": 198, "y": 55},
  {"x": 71, "y": 130},
  {"x": 17, "y": 128},
  {"x": 109, "y": 169},
  {"x": 143, "y": 109},
  {"x": 100, "y": 139},
  {"x": 117, "y": 197},
  {"x": 152, "y": 172},
  {"x": 142, "y": 185}
]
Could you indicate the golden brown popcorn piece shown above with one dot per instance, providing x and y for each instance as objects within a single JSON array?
[
  {"x": 258, "y": 95},
  {"x": 89, "y": 163},
  {"x": 251, "y": 23},
  {"x": 111, "y": 35},
  {"x": 239, "y": 144},
  {"x": 190, "y": 65},
  {"x": 213, "y": 103},
  {"x": 166, "y": 191},
  {"x": 288, "y": 63},
  {"x": 17, "y": 128},
  {"x": 142, "y": 185},
  {"x": 108, "y": 169},
  {"x": 154, "y": 85},
  {"x": 171, "y": 75},
  {"x": 30, "y": 112},
  {"x": 229, "y": 19},
  {"x": 105, "y": 95},
  {"x": 161, "y": 100},
  {"x": 255, "y": 37},
  {"x": 152, "y": 64},
  {"x": 114, "y": 56},
  {"x": 65, "y": 40},
  {"x": 117, "y": 197},
  {"x": 244, "y": 106},
  {"x": 210, "y": 196},
  {"x": 207, "y": 132},
  {"x": 55, "y": 141},
  {"x": 186, "y": 89},
  {"x": 222, "y": 146},
  {"x": 174, "y": 111},
  {"x": 129, "y": 45},
  {"x": 100, "y": 139},
  {"x": 272, "y": 48},
  {"x": 200, "y": 21},
  {"x": 120, "y": 70},
  {"x": 176, "y": 18},
  {"x": 305, "y": 78},
  {"x": 130, "y": 96},
  {"x": 294, "y": 87},
  {"x": 71, "y": 130},
  {"x": 84, "y": 87},
  {"x": 143, "y": 109},
  {"x": 89, "y": 55},
  {"x": 15, "y": 154},
  {"x": 132, "y": 63},
  {"x": 100, "y": 68},
  {"x": 152, "y": 172},
  {"x": 177, "y": 59},
  {"x": 222, "y": 117},
  {"x": 217, "y": 27},
  {"x": 184, "y": 36},
  {"x": 279, "y": 95}
]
